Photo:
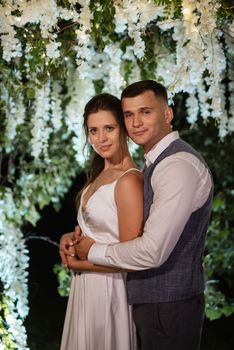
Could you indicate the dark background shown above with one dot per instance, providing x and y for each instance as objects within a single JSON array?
[{"x": 47, "y": 309}]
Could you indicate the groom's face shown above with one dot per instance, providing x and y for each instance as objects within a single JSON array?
[{"x": 147, "y": 118}]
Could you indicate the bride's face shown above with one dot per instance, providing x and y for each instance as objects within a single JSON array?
[{"x": 104, "y": 134}]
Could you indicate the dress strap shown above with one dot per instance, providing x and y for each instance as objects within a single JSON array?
[{"x": 127, "y": 171}]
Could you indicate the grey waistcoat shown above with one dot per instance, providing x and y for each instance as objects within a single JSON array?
[{"x": 181, "y": 276}]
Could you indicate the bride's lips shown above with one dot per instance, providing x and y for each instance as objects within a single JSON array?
[{"x": 104, "y": 148}]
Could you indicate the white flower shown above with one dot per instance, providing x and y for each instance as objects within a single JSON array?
[
  {"x": 203, "y": 97},
  {"x": 84, "y": 48},
  {"x": 135, "y": 74},
  {"x": 56, "y": 109},
  {"x": 52, "y": 49},
  {"x": 15, "y": 116},
  {"x": 120, "y": 20},
  {"x": 192, "y": 109},
  {"x": 41, "y": 129},
  {"x": 80, "y": 92},
  {"x": 134, "y": 16},
  {"x": 114, "y": 81}
]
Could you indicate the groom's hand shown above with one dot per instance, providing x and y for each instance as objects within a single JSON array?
[{"x": 82, "y": 248}]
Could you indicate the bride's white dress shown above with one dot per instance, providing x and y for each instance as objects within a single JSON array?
[{"x": 98, "y": 316}]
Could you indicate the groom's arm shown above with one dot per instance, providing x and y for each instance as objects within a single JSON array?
[{"x": 179, "y": 189}]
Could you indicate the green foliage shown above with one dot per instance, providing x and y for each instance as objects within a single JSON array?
[
  {"x": 38, "y": 183},
  {"x": 173, "y": 6},
  {"x": 220, "y": 241},
  {"x": 5, "y": 336},
  {"x": 103, "y": 28},
  {"x": 219, "y": 259},
  {"x": 64, "y": 279},
  {"x": 225, "y": 10},
  {"x": 148, "y": 63},
  {"x": 216, "y": 303}
]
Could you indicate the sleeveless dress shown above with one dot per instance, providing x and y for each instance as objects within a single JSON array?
[{"x": 98, "y": 316}]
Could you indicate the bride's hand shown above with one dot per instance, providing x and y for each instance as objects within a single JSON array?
[
  {"x": 65, "y": 242},
  {"x": 77, "y": 234},
  {"x": 71, "y": 256}
]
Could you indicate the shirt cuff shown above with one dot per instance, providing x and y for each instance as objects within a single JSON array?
[{"x": 97, "y": 254}]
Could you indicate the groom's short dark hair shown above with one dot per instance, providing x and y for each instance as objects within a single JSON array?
[{"x": 141, "y": 86}]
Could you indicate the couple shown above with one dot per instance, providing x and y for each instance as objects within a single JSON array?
[{"x": 163, "y": 257}]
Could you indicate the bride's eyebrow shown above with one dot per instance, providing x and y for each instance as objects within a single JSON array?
[{"x": 95, "y": 127}]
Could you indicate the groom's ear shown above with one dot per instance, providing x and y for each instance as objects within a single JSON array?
[{"x": 169, "y": 115}]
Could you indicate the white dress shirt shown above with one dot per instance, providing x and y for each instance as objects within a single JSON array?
[{"x": 181, "y": 184}]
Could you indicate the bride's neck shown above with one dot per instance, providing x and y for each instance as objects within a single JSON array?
[{"x": 122, "y": 163}]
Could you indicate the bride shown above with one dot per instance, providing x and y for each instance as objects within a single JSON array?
[{"x": 98, "y": 316}]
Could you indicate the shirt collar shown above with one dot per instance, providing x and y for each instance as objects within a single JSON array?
[{"x": 153, "y": 154}]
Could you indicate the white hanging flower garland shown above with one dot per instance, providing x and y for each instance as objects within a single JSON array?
[
  {"x": 41, "y": 129},
  {"x": 80, "y": 91},
  {"x": 56, "y": 109},
  {"x": 14, "y": 275}
]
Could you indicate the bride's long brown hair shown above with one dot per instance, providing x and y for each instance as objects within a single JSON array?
[{"x": 101, "y": 102}]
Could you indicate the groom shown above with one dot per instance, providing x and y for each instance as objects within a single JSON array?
[{"x": 167, "y": 289}]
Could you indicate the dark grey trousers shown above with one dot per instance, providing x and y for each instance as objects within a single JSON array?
[{"x": 170, "y": 325}]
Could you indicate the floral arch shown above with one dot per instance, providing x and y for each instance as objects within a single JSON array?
[{"x": 54, "y": 56}]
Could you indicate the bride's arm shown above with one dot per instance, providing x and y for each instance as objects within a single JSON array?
[{"x": 129, "y": 198}]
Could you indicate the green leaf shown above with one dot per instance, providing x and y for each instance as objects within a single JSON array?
[
  {"x": 30, "y": 93},
  {"x": 213, "y": 314},
  {"x": 228, "y": 310}
]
